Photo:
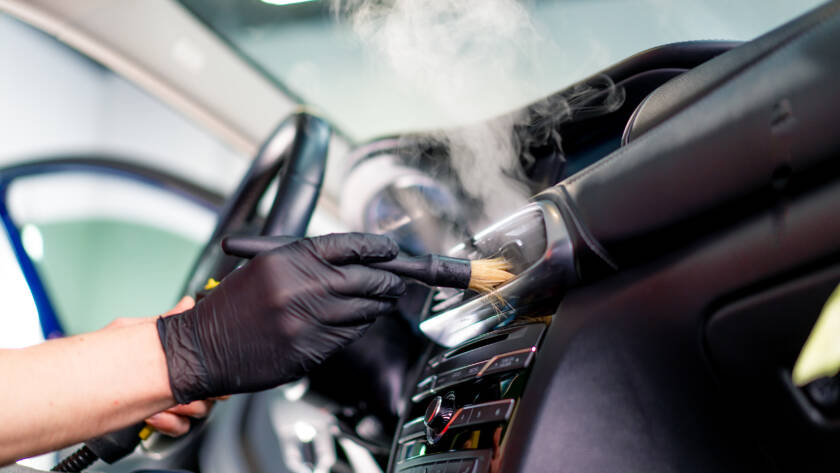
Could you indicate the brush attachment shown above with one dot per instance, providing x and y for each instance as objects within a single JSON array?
[
  {"x": 487, "y": 274},
  {"x": 482, "y": 275}
]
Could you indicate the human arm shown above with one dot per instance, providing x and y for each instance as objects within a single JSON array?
[
  {"x": 68, "y": 390},
  {"x": 266, "y": 324},
  {"x": 174, "y": 421}
]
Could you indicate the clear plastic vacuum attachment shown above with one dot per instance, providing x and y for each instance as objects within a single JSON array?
[
  {"x": 536, "y": 243},
  {"x": 520, "y": 239}
]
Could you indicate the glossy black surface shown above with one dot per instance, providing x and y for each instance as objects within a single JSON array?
[{"x": 624, "y": 381}]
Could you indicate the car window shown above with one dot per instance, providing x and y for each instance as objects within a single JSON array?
[
  {"x": 104, "y": 246},
  {"x": 488, "y": 56},
  {"x": 56, "y": 102},
  {"x": 19, "y": 325},
  {"x": 107, "y": 246}
]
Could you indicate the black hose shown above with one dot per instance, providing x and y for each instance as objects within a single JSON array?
[{"x": 77, "y": 461}]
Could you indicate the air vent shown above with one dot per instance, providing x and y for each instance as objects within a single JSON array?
[
  {"x": 481, "y": 342},
  {"x": 537, "y": 244}
]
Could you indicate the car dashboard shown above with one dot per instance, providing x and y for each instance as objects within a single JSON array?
[
  {"x": 462, "y": 399},
  {"x": 674, "y": 351}
]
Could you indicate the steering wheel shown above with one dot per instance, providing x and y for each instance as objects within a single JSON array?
[{"x": 295, "y": 153}]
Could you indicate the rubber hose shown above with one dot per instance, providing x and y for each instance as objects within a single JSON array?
[{"x": 77, "y": 461}]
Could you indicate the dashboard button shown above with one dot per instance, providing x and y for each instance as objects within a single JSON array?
[
  {"x": 439, "y": 467},
  {"x": 478, "y": 415},
  {"x": 492, "y": 411},
  {"x": 450, "y": 378},
  {"x": 482, "y": 464},
  {"x": 473, "y": 370},
  {"x": 463, "y": 417},
  {"x": 454, "y": 466},
  {"x": 496, "y": 411},
  {"x": 466, "y": 465},
  {"x": 456, "y": 376},
  {"x": 511, "y": 361}
]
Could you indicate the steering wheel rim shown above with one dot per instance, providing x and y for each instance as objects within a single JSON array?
[{"x": 296, "y": 154}]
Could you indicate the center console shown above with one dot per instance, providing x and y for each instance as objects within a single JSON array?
[
  {"x": 463, "y": 398},
  {"x": 466, "y": 389}
]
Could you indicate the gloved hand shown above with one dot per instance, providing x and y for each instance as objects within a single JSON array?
[{"x": 280, "y": 314}]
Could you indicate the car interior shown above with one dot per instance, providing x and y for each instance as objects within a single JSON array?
[{"x": 681, "y": 238}]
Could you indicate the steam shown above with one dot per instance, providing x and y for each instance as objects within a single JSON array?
[{"x": 465, "y": 57}]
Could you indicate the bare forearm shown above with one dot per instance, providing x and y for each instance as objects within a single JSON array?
[{"x": 65, "y": 391}]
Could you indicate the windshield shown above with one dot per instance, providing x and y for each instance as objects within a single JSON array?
[{"x": 427, "y": 64}]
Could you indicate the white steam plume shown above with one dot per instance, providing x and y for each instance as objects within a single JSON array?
[{"x": 464, "y": 57}]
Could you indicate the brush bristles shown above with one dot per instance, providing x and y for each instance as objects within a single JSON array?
[{"x": 487, "y": 274}]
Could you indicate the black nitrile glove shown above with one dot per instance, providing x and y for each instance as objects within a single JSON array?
[{"x": 276, "y": 317}]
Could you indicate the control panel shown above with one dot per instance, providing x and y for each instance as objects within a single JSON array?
[{"x": 463, "y": 400}]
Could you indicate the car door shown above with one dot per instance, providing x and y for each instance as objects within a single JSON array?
[
  {"x": 99, "y": 239},
  {"x": 106, "y": 193}
]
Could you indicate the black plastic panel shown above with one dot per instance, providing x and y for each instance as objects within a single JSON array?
[
  {"x": 623, "y": 382},
  {"x": 485, "y": 376},
  {"x": 681, "y": 92},
  {"x": 753, "y": 343},
  {"x": 474, "y": 351},
  {"x": 510, "y": 349},
  {"x": 720, "y": 159}
]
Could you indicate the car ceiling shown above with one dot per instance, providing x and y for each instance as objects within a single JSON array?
[{"x": 160, "y": 46}]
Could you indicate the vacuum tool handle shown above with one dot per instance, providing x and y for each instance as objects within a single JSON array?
[
  {"x": 435, "y": 270},
  {"x": 109, "y": 448},
  {"x": 118, "y": 444}
]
